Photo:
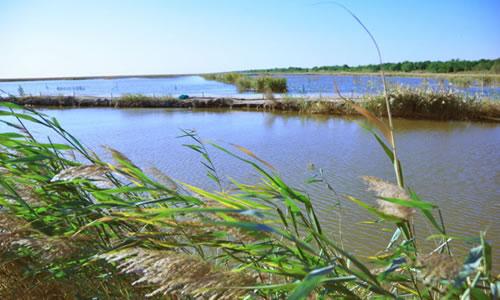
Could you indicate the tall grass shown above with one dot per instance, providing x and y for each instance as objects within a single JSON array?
[
  {"x": 408, "y": 103},
  {"x": 244, "y": 83},
  {"x": 405, "y": 103},
  {"x": 68, "y": 222},
  {"x": 138, "y": 100},
  {"x": 429, "y": 104},
  {"x": 466, "y": 81},
  {"x": 273, "y": 84},
  {"x": 70, "y": 225}
]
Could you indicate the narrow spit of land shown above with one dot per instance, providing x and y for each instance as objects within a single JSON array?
[
  {"x": 144, "y": 102},
  {"x": 410, "y": 105}
]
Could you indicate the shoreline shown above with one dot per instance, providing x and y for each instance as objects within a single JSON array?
[
  {"x": 389, "y": 74},
  {"x": 94, "y": 77},
  {"x": 325, "y": 106}
]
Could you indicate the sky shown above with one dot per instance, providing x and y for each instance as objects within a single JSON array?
[{"x": 54, "y": 38}]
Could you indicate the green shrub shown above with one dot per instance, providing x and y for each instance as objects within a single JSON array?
[
  {"x": 230, "y": 78},
  {"x": 261, "y": 84},
  {"x": 273, "y": 84},
  {"x": 244, "y": 84}
]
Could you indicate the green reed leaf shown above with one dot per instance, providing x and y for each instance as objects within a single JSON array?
[{"x": 310, "y": 282}]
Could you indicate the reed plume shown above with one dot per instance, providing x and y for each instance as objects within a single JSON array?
[
  {"x": 386, "y": 189},
  {"x": 94, "y": 173},
  {"x": 181, "y": 275},
  {"x": 436, "y": 267}
]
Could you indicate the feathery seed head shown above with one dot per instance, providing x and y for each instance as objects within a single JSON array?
[
  {"x": 386, "y": 189},
  {"x": 94, "y": 173},
  {"x": 179, "y": 274},
  {"x": 436, "y": 267}
]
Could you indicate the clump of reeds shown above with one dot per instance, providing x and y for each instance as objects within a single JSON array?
[
  {"x": 429, "y": 104},
  {"x": 490, "y": 109},
  {"x": 406, "y": 103},
  {"x": 462, "y": 81},
  {"x": 244, "y": 83},
  {"x": 273, "y": 84},
  {"x": 138, "y": 100},
  {"x": 230, "y": 78},
  {"x": 467, "y": 81},
  {"x": 36, "y": 265}
]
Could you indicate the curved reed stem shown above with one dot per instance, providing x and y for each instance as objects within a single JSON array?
[{"x": 392, "y": 140}]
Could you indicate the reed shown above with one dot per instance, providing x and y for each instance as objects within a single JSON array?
[
  {"x": 410, "y": 103},
  {"x": 462, "y": 81},
  {"x": 429, "y": 104},
  {"x": 138, "y": 100},
  {"x": 91, "y": 228},
  {"x": 273, "y": 84},
  {"x": 80, "y": 222},
  {"x": 406, "y": 103},
  {"x": 244, "y": 83}
]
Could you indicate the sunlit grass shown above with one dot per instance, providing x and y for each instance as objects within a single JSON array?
[
  {"x": 244, "y": 83},
  {"x": 73, "y": 224}
]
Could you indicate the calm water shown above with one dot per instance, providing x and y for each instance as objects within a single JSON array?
[
  {"x": 309, "y": 85},
  {"x": 454, "y": 164}
]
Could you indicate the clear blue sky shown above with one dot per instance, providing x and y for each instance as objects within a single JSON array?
[{"x": 106, "y": 37}]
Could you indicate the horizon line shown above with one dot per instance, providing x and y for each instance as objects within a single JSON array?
[{"x": 164, "y": 75}]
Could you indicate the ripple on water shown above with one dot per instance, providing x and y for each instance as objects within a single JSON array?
[{"x": 453, "y": 164}]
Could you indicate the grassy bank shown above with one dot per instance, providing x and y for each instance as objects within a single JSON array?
[
  {"x": 460, "y": 79},
  {"x": 244, "y": 83},
  {"x": 89, "y": 228},
  {"x": 416, "y": 103},
  {"x": 126, "y": 101},
  {"x": 407, "y": 103}
]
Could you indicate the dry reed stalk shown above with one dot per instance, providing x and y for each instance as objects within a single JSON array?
[
  {"x": 16, "y": 233},
  {"x": 390, "y": 133},
  {"x": 436, "y": 267},
  {"x": 94, "y": 173},
  {"x": 15, "y": 285},
  {"x": 164, "y": 178},
  {"x": 180, "y": 275}
]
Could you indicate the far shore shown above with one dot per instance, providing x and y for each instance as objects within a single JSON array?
[
  {"x": 386, "y": 73},
  {"x": 93, "y": 77},
  {"x": 392, "y": 74}
]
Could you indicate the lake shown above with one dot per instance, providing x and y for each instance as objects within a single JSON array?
[
  {"x": 453, "y": 164},
  {"x": 298, "y": 85}
]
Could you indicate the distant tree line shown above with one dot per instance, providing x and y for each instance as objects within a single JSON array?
[{"x": 450, "y": 66}]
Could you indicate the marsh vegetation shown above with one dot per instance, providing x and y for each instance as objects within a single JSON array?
[
  {"x": 244, "y": 83},
  {"x": 407, "y": 103},
  {"x": 67, "y": 220},
  {"x": 75, "y": 225}
]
